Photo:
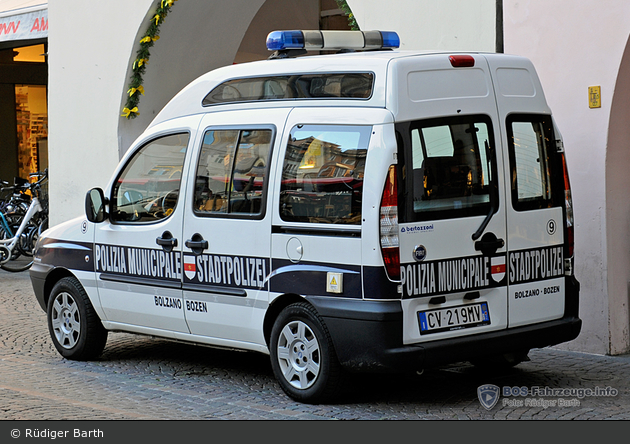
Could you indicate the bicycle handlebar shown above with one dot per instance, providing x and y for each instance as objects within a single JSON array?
[{"x": 42, "y": 175}]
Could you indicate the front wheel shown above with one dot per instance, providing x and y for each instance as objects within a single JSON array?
[
  {"x": 303, "y": 358},
  {"x": 74, "y": 326}
]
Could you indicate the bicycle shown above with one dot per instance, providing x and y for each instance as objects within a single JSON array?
[
  {"x": 20, "y": 230},
  {"x": 16, "y": 198}
]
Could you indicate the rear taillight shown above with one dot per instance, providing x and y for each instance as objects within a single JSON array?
[
  {"x": 568, "y": 205},
  {"x": 389, "y": 226}
]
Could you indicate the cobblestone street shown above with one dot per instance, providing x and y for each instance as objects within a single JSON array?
[{"x": 142, "y": 378}]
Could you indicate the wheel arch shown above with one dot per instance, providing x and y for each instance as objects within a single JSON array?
[
  {"x": 51, "y": 279},
  {"x": 275, "y": 308}
]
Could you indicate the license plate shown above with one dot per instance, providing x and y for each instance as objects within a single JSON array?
[{"x": 454, "y": 318}]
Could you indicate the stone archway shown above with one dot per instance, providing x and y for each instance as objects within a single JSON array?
[
  {"x": 618, "y": 210},
  {"x": 201, "y": 35}
]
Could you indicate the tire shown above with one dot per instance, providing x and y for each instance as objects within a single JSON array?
[
  {"x": 303, "y": 357},
  {"x": 74, "y": 326}
]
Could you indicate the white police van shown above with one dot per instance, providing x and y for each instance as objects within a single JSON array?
[{"x": 378, "y": 211}]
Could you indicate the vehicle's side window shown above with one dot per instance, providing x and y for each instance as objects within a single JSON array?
[
  {"x": 529, "y": 138},
  {"x": 231, "y": 172},
  {"x": 452, "y": 167},
  {"x": 322, "y": 175},
  {"x": 147, "y": 190},
  {"x": 345, "y": 86}
]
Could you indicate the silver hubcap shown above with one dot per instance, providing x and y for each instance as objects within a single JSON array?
[
  {"x": 298, "y": 354},
  {"x": 65, "y": 320}
]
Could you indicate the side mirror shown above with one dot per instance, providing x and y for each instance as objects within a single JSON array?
[{"x": 95, "y": 203}]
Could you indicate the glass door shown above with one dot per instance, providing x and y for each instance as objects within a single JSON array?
[{"x": 31, "y": 111}]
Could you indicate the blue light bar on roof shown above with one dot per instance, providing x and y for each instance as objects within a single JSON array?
[
  {"x": 278, "y": 40},
  {"x": 332, "y": 40},
  {"x": 390, "y": 39}
]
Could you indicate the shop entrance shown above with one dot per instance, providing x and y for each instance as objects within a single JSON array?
[{"x": 23, "y": 111}]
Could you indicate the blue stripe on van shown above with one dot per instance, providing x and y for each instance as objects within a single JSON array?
[
  {"x": 67, "y": 254},
  {"x": 309, "y": 278}
]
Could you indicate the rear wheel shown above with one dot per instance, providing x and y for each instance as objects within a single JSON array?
[
  {"x": 74, "y": 326},
  {"x": 302, "y": 355}
]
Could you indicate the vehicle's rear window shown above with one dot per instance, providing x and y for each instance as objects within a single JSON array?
[
  {"x": 531, "y": 150},
  {"x": 293, "y": 87},
  {"x": 451, "y": 166}
]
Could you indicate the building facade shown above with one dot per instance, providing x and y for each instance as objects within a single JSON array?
[{"x": 91, "y": 57}]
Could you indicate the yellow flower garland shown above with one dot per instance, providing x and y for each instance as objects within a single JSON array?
[{"x": 130, "y": 110}]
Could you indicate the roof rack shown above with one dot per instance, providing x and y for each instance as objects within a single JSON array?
[{"x": 294, "y": 43}]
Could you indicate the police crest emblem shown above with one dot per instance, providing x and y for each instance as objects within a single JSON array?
[
  {"x": 488, "y": 395},
  {"x": 190, "y": 267}
]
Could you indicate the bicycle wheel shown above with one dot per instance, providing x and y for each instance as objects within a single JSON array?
[
  {"x": 31, "y": 240},
  {"x": 28, "y": 239},
  {"x": 18, "y": 261},
  {"x": 17, "y": 264}
]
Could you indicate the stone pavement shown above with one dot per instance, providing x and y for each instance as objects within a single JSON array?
[{"x": 143, "y": 378}]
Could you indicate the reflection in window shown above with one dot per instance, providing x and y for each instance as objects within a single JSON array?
[
  {"x": 231, "y": 172},
  {"x": 322, "y": 177},
  {"x": 148, "y": 188},
  {"x": 531, "y": 180},
  {"x": 451, "y": 167},
  {"x": 299, "y": 86}
]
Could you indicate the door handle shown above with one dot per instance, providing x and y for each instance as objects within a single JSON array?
[
  {"x": 197, "y": 244},
  {"x": 489, "y": 244},
  {"x": 167, "y": 241}
]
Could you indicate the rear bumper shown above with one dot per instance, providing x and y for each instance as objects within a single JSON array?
[{"x": 368, "y": 335}]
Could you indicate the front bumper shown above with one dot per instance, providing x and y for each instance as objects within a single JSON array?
[{"x": 38, "y": 273}]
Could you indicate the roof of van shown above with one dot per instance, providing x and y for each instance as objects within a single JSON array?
[{"x": 189, "y": 100}]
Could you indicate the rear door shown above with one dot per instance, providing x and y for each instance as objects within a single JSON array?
[
  {"x": 452, "y": 225},
  {"x": 535, "y": 217},
  {"x": 453, "y": 229}
]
